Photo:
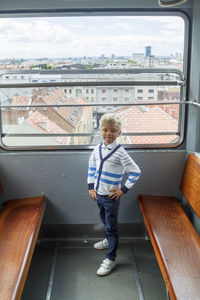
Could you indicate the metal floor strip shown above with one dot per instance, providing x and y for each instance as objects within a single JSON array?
[
  {"x": 137, "y": 278},
  {"x": 51, "y": 276}
]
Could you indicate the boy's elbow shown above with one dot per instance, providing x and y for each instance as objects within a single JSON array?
[{"x": 138, "y": 173}]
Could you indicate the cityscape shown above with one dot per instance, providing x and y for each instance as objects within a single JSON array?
[
  {"x": 78, "y": 124},
  {"x": 137, "y": 60}
]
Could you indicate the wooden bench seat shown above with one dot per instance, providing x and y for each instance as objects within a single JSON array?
[
  {"x": 20, "y": 222},
  {"x": 174, "y": 239}
]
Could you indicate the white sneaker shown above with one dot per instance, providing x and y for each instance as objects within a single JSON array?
[
  {"x": 106, "y": 267},
  {"x": 101, "y": 245}
]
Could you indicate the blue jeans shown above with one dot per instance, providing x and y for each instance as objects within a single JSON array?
[{"x": 109, "y": 215}]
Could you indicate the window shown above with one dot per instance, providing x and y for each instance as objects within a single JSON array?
[
  {"x": 78, "y": 92},
  {"x": 97, "y": 64}
]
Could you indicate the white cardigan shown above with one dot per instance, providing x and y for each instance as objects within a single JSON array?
[{"x": 107, "y": 165}]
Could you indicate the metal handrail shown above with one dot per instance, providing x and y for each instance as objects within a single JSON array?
[
  {"x": 101, "y": 104},
  {"x": 93, "y": 83},
  {"x": 97, "y": 71},
  {"x": 85, "y": 134}
]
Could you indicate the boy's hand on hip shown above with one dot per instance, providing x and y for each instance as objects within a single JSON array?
[
  {"x": 115, "y": 194},
  {"x": 92, "y": 194}
]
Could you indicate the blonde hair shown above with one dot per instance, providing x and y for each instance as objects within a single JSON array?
[{"x": 110, "y": 120}]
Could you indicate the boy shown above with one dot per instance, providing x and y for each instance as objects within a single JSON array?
[{"x": 107, "y": 164}]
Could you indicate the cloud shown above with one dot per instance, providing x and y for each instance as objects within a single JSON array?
[
  {"x": 32, "y": 31},
  {"x": 90, "y": 36}
]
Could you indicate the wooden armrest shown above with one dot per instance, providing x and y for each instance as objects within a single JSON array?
[
  {"x": 176, "y": 245},
  {"x": 19, "y": 227}
]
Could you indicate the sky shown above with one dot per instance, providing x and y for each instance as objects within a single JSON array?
[{"x": 90, "y": 36}]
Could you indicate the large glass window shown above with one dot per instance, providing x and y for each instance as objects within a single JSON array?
[{"x": 54, "y": 70}]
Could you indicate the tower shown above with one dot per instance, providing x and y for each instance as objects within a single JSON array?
[{"x": 148, "y": 51}]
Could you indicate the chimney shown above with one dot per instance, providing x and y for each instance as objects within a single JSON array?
[
  {"x": 166, "y": 108},
  {"x": 173, "y": 113}
]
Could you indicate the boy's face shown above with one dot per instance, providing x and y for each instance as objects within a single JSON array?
[{"x": 109, "y": 134}]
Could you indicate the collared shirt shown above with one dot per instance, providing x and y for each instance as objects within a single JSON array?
[
  {"x": 107, "y": 166},
  {"x": 106, "y": 149}
]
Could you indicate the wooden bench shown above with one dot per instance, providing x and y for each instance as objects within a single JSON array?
[
  {"x": 174, "y": 239},
  {"x": 20, "y": 222}
]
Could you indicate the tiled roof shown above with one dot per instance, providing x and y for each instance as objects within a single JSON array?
[
  {"x": 70, "y": 114},
  {"x": 86, "y": 110},
  {"x": 43, "y": 124},
  {"x": 148, "y": 119},
  {"x": 21, "y": 100}
]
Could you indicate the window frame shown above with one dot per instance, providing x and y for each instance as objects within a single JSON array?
[{"x": 120, "y": 12}]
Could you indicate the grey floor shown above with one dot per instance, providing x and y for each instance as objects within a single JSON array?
[{"x": 67, "y": 270}]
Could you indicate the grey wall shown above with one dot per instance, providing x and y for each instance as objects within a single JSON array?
[
  {"x": 193, "y": 130},
  {"x": 60, "y": 4},
  {"x": 193, "y": 123},
  {"x": 62, "y": 176}
]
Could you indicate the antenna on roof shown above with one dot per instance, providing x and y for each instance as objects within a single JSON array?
[{"x": 172, "y": 3}]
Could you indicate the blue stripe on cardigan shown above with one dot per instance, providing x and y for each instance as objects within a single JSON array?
[
  {"x": 110, "y": 182},
  {"x": 112, "y": 174},
  {"x": 134, "y": 174}
]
